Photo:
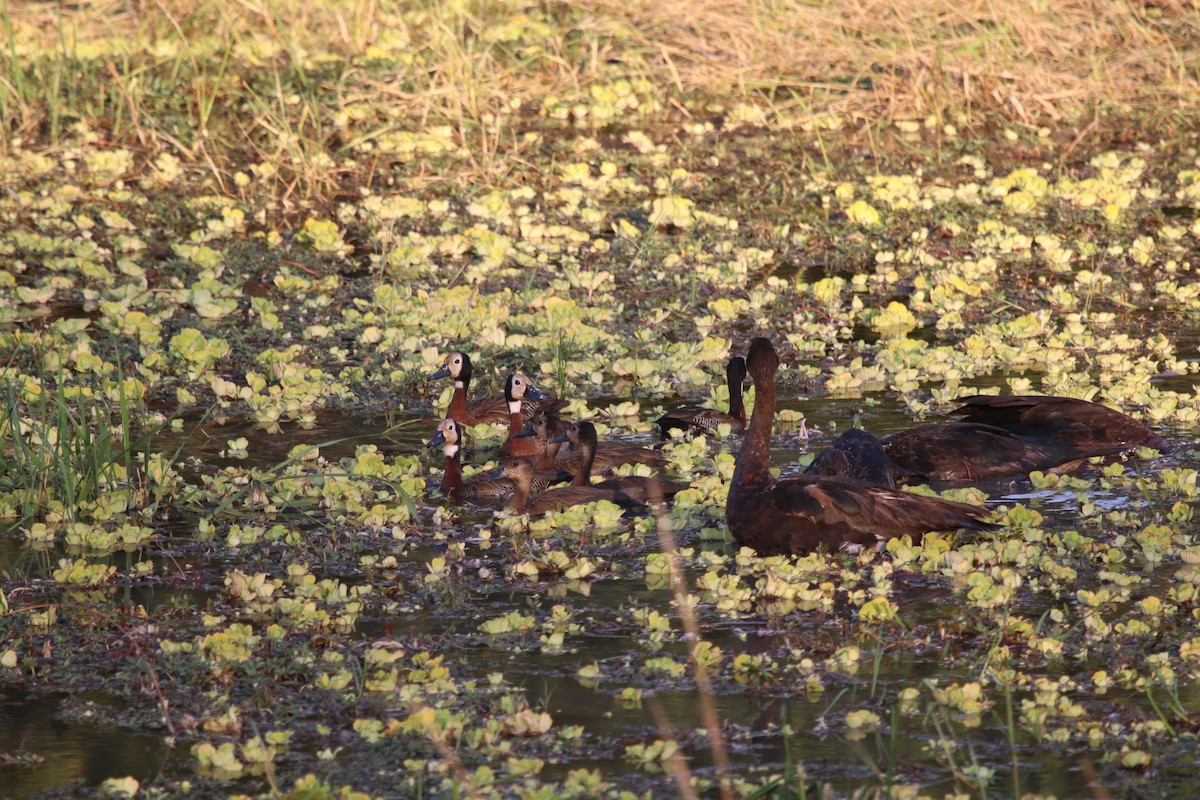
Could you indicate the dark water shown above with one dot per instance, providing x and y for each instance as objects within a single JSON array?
[
  {"x": 74, "y": 751},
  {"x": 765, "y": 731}
]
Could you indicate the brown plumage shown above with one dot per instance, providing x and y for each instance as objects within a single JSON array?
[
  {"x": 492, "y": 409},
  {"x": 957, "y": 451},
  {"x": 582, "y": 436},
  {"x": 607, "y": 455},
  {"x": 543, "y": 427},
  {"x": 479, "y": 488},
  {"x": 697, "y": 420},
  {"x": 859, "y": 455},
  {"x": 1081, "y": 423},
  {"x": 520, "y": 471},
  {"x": 806, "y": 512}
]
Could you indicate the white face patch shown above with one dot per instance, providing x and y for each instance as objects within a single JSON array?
[
  {"x": 459, "y": 385},
  {"x": 451, "y": 450},
  {"x": 514, "y": 406}
]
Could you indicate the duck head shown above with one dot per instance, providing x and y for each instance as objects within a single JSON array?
[
  {"x": 518, "y": 388},
  {"x": 448, "y": 435},
  {"x": 516, "y": 469},
  {"x": 579, "y": 434},
  {"x": 763, "y": 362},
  {"x": 456, "y": 366}
]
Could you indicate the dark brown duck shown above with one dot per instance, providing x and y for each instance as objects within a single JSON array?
[
  {"x": 965, "y": 451},
  {"x": 584, "y": 440},
  {"x": 806, "y": 512},
  {"x": 1081, "y": 423},
  {"x": 607, "y": 456},
  {"x": 859, "y": 455}
]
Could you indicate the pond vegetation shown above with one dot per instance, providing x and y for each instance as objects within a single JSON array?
[{"x": 238, "y": 241}]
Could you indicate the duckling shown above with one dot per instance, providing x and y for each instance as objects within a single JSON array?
[
  {"x": 516, "y": 389},
  {"x": 697, "y": 420},
  {"x": 607, "y": 454},
  {"x": 479, "y": 488},
  {"x": 1081, "y": 423},
  {"x": 582, "y": 436},
  {"x": 805, "y": 512},
  {"x": 493, "y": 409},
  {"x": 958, "y": 451},
  {"x": 859, "y": 455}
]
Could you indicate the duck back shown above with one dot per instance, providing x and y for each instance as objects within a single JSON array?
[{"x": 1062, "y": 419}]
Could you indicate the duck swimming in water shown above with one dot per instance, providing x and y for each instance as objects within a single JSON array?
[
  {"x": 697, "y": 420},
  {"x": 493, "y": 409},
  {"x": 607, "y": 455},
  {"x": 962, "y": 451},
  {"x": 805, "y": 512},
  {"x": 859, "y": 455},
  {"x": 1081, "y": 423},
  {"x": 582, "y": 436},
  {"x": 516, "y": 389},
  {"x": 479, "y": 488}
]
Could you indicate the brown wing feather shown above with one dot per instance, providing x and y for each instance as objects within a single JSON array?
[
  {"x": 565, "y": 496},
  {"x": 969, "y": 451},
  {"x": 612, "y": 455},
  {"x": 494, "y": 409},
  {"x": 806, "y": 512},
  {"x": 643, "y": 489},
  {"x": 1062, "y": 419}
]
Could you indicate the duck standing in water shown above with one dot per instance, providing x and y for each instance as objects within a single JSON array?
[
  {"x": 493, "y": 409},
  {"x": 805, "y": 512},
  {"x": 697, "y": 420},
  {"x": 479, "y": 488}
]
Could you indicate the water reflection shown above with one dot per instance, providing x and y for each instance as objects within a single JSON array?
[{"x": 73, "y": 752}]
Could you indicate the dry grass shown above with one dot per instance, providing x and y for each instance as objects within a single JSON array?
[
  {"x": 294, "y": 83},
  {"x": 1032, "y": 62}
]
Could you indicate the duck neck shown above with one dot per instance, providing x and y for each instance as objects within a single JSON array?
[
  {"x": 515, "y": 422},
  {"x": 547, "y": 456},
  {"x": 452, "y": 482},
  {"x": 737, "y": 409},
  {"x": 458, "y": 400},
  {"x": 521, "y": 496},
  {"x": 587, "y": 454},
  {"x": 754, "y": 462}
]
